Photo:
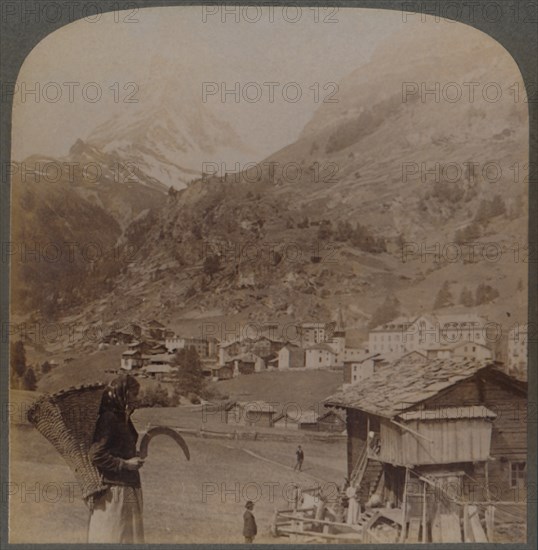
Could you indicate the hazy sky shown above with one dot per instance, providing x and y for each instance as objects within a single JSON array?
[
  {"x": 111, "y": 50},
  {"x": 176, "y": 50}
]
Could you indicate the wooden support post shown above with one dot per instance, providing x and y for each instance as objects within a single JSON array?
[
  {"x": 490, "y": 514},
  {"x": 404, "y": 507},
  {"x": 424, "y": 530},
  {"x": 476, "y": 527},
  {"x": 466, "y": 527},
  {"x": 274, "y": 527},
  {"x": 486, "y": 475}
]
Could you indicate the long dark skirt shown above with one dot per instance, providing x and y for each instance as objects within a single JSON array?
[{"x": 117, "y": 516}]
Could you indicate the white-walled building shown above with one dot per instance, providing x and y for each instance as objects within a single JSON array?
[
  {"x": 131, "y": 359},
  {"x": 319, "y": 356},
  {"x": 204, "y": 347},
  {"x": 472, "y": 350},
  {"x": 311, "y": 334},
  {"x": 425, "y": 332},
  {"x": 518, "y": 348},
  {"x": 464, "y": 350}
]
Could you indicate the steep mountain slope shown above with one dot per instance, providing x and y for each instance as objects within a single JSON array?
[
  {"x": 169, "y": 132},
  {"x": 56, "y": 238},
  {"x": 360, "y": 160},
  {"x": 70, "y": 212},
  {"x": 322, "y": 222},
  {"x": 394, "y": 149}
]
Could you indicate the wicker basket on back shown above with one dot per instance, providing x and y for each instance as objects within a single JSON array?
[{"x": 67, "y": 419}]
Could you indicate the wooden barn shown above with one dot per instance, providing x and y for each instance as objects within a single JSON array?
[
  {"x": 438, "y": 446},
  {"x": 250, "y": 413},
  {"x": 225, "y": 372},
  {"x": 287, "y": 421},
  {"x": 330, "y": 421}
]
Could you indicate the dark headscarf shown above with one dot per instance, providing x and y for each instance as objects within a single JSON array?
[{"x": 115, "y": 395}]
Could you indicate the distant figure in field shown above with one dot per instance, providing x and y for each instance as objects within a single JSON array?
[
  {"x": 116, "y": 513},
  {"x": 299, "y": 454},
  {"x": 250, "y": 530}
]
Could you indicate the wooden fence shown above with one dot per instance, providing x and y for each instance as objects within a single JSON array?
[{"x": 262, "y": 435}]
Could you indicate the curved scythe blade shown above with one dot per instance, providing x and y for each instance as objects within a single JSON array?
[{"x": 162, "y": 430}]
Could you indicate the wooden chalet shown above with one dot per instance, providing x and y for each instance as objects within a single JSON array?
[
  {"x": 250, "y": 413},
  {"x": 224, "y": 372},
  {"x": 290, "y": 356},
  {"x": 438, "y": 446},
  {"x": 330, "y": 421},
  {"x": 286, "y": 421}
]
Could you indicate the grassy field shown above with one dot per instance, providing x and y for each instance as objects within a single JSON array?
[
  {"x": 184, "y": 502},
  {"x": 307, "y": 389}
]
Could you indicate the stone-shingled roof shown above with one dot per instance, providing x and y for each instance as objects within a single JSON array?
[{"x": 395, "y": 388}]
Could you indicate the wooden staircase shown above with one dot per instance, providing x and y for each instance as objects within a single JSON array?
[
  {"x": 370, "y": 480},
  {"x": 367, "y": 519},
  {"x": 366, "y": 475}
]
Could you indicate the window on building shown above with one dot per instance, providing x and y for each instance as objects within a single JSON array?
[
  {"x": 518, "y": 474},
  {"x": 320, "y": 359},
  {"x": 474, "y": 348}
]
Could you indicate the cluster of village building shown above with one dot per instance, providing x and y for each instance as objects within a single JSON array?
[{"x": 151, "y": 347}]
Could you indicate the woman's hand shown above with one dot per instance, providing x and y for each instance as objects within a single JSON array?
[{"x": 134, "y": 463}]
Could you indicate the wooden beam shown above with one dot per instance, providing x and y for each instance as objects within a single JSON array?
[
  {"x": 314, "y": 520},
  {"x": 415, "y": 433},
  {"x": 342, "y": 537},
  {"x": 476, "y": 527},
  {"x": 490, "y": 522}
]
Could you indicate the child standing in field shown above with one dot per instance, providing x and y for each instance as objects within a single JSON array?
[{"x": 250, "y": 530}]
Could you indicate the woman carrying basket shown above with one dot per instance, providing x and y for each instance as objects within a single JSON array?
[{"x": 116, "y": 513}]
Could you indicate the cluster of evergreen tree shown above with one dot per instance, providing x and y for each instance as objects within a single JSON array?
[
  {"x": 490, "y": 209},
  {"x": 387, "y": 311},
  {"x": 156, "y": 397},
  {"x": 444, "y": 297},
  {"x": 358, "y": 236},
  {"x": 189, "y": 377},
  {"x": 487, "y": 209},
  {"x": 22, "y": 376},
  {"x": 446, "y": 192},
  {"x": 483, "y": 294}
]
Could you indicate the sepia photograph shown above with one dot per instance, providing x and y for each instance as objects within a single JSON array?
[{"x": 270, "y": 275}]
